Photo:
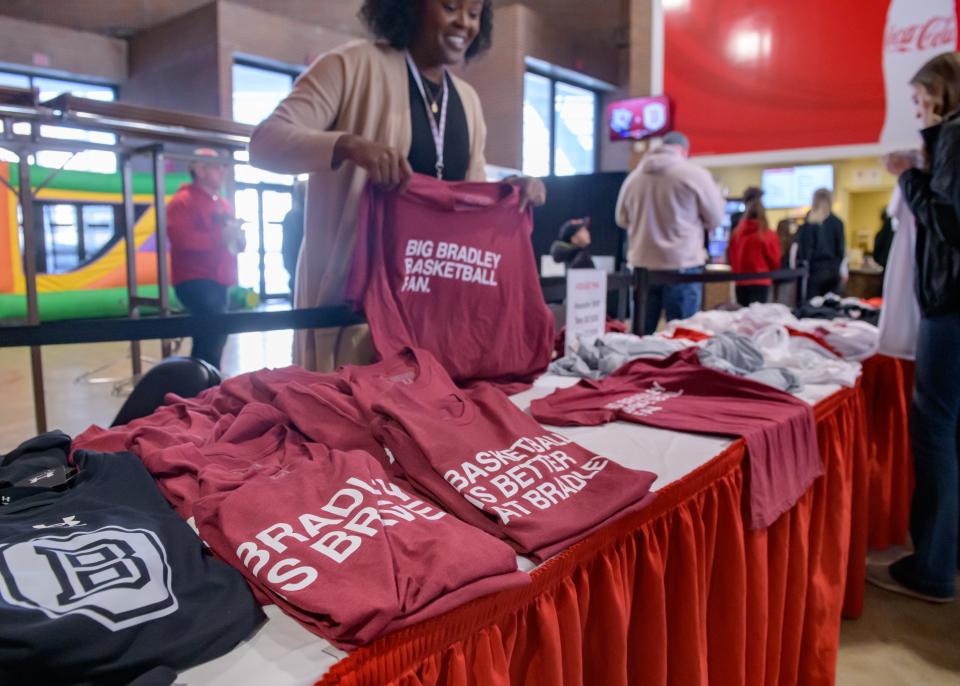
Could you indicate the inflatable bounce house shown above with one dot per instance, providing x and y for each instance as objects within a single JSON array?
[{"x": 97, "y": 287}]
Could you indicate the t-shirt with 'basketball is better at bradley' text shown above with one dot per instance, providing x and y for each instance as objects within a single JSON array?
[
  {"x": 449, "y": 267},
  {"x": 677, "y": 393},
  {"x": 488, "y": 462}
]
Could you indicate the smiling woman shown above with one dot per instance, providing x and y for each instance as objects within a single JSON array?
[
  {"x": 378, "y": 111},
  {"x": 396, "y": 21}
]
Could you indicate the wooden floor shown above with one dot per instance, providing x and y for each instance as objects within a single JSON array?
[{"x": 897, "y": 642}]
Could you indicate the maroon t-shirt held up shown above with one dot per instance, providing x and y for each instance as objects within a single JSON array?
[
  {"x": 677, "y": 393},
  {"x": 449, "y": 268}
]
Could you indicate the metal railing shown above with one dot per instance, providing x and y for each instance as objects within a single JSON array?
[
  {"x": 644, "y": 278},
  {"x": 139, "y": 131}
]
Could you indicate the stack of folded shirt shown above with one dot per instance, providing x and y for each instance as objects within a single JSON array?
[
  {"x": 678, "y": 393},
  {"x": 365, "y": 500}
]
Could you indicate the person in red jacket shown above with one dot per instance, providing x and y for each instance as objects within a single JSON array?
[
  {"x": 754, "y": 248},
  {"x": 205, "y": 239}
]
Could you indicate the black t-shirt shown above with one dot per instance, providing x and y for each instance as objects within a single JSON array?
[
  {"x": 100, "y": 580},
  {"x": 456, "y": 141}
]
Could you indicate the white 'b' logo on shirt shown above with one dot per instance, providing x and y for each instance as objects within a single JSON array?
[{"x": 117, "y": 577}]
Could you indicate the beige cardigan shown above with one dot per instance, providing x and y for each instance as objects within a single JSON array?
[{"x": 359, "y": 88}]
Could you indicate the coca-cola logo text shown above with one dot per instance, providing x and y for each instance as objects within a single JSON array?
[{"x": 936, "y": 33}]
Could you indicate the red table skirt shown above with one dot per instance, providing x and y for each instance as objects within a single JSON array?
[
  {"x": 888, "y": 387},
  {"x": 678, "y": 593}
]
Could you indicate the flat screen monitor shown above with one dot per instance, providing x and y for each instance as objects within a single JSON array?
[
  {"x": 639, "y": 118},
  {"x": 788, "y": 187}
]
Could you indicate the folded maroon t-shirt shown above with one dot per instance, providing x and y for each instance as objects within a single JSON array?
[
  {"x": 449, "y": 267},
  {"x": 677, "y": 393},
  {"x": 345, "y": 550},
  {"x": 488, "y": 462}
]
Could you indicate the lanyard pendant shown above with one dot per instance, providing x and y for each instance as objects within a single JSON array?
[{"x": 440, "y": 170}]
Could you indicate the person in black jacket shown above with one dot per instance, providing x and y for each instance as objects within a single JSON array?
[
  {"x": 883, "y": 241},
  {"x": 572, "y": 248},
  {"x": 821, "y": 243},
  {"x": 933, "y": 193},
  {"x": 293, "y": 231}
]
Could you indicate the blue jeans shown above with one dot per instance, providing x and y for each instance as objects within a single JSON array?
[
  {"x": 934, "y": 423},
  {"x": 680, "y": 300}
]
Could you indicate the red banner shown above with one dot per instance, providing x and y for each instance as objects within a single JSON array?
[{"x": 749, "y": 76}]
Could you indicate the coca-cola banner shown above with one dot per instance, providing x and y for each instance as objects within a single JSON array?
[{"x": 748, "y": 76}]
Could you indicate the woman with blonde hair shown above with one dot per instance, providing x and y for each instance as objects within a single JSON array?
[
  {"x": 931, "y": 187},
  {"x": 821, "y": 243}
]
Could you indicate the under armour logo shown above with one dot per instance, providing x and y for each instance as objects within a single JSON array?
[
  {"x": 67, "y": 523},
  {"x": 41, "y": 476}
]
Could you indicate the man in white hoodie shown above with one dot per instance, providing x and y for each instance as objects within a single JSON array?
[{"x": 667, "y": 205}]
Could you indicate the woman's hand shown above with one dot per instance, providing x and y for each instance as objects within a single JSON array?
[
  {"x": 899, "y": 162},
  {"x": 532, "y": 191},
  {"x": 388, "y": 167}
]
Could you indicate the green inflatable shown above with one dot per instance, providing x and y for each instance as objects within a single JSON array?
[{"x": 95, "y": 304}]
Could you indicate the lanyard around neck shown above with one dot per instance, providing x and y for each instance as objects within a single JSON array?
[{"x": 438, "y": 130}]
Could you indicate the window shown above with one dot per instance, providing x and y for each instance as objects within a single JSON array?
[
  {"x": 100, "y": 161},
  {"x": 574, "y": 129},
  {"x": 256, "y": 92},
  {"x": 559, "y": 127},
  {"x": 70, "y": 234},
  {"x": 61, "y": 235},
  {"x": 537, "y": 102},
  {"x": 262, "y": 198}
]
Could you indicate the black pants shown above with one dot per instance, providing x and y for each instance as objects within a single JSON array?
[
  {"x": 752, "y": 294},
  {"x": 201, "y": 297},
  {"x": 823, "y": 281}
]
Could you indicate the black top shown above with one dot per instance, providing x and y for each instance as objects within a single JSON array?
[
  {"x": 574, "y": 256},
  {"x": 934, "y": 199},
  {"x": 292, "y": 239},
  {"x": 882, "y": 242},
  {"x": 823, "y": 246},
  {"x": 456, "y": 141},
  {"x": 100, "y": 580}
]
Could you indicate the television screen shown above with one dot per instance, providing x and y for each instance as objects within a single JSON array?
[
  {"x": 639, "y": 118},
  {"x": 789, "y": 187}
]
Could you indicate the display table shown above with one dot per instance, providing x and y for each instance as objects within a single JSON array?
[{"x": 677, "y": 593}]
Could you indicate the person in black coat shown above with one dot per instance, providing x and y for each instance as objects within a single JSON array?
[
  {"x": 822, "y": 244},
  {"x": 293, "y": 232},
  {"x": 573, "y": 246},
  {"x": 931, "y": 187},
  {"x": 883, "y": 241}
]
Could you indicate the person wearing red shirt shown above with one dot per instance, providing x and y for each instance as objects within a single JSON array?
[
  {"x": 754, "y": 248},
  {"x": 204, "y": 241}
]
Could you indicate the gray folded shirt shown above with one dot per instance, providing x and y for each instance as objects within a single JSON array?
[
  {"x": 727, "y": 352},
  {"x": 734, "y": 353}
]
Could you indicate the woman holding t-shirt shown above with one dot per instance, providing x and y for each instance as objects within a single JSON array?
[
  {"x": 931, "y": 187},
  {"x": 363, "y": 112}
]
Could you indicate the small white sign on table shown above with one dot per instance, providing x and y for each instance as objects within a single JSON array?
[{"x": 586, "y": 306}]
